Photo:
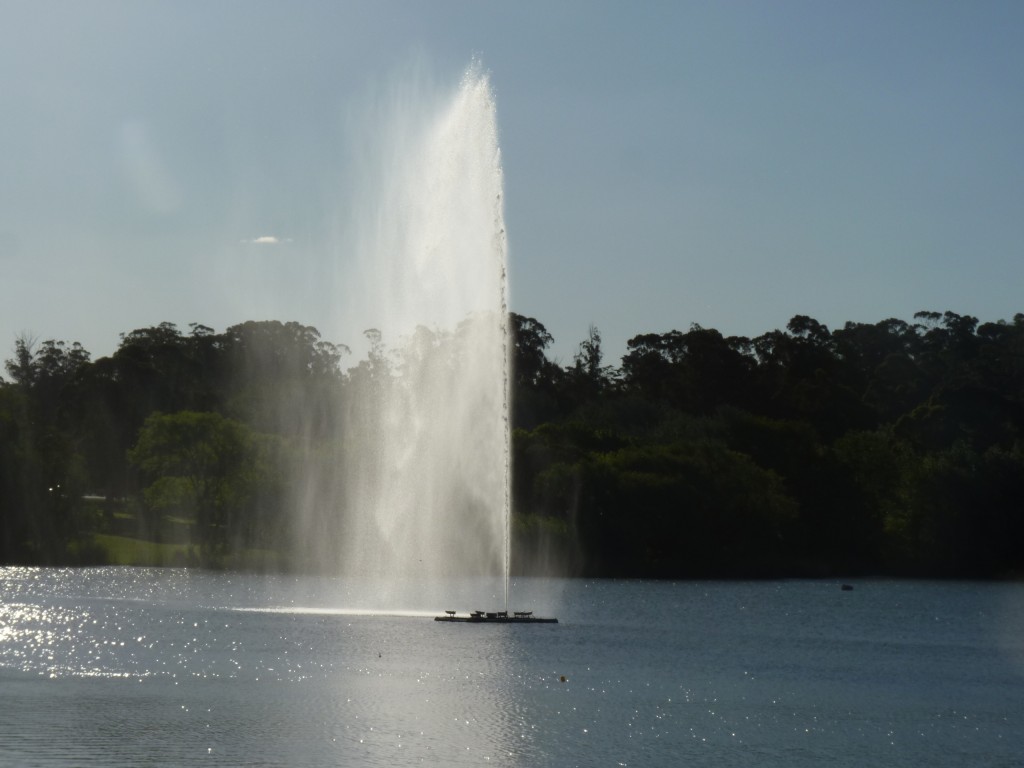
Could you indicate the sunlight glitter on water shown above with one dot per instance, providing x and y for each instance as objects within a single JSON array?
[
  {"x": 57, "y": 640},
  {"x": 774, "y": 674}
]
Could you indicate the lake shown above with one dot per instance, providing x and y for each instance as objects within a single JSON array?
[{"x": 173, "y": 667}]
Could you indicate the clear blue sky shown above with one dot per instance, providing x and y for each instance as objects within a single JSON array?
[{"x": 730, "y": 164}]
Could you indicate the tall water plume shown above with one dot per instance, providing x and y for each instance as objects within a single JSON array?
[{"x": 422, "y": 485}]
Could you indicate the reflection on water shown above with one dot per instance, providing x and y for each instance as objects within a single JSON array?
[{"x": 118, "y": 667}]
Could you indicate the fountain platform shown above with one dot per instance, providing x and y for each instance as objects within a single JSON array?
[{"x": 495, "y": 617}]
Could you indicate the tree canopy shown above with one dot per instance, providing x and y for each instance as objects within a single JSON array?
[{"x": 890, "y": 447}]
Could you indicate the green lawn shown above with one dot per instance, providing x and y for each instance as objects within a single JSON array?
[
  {"x": 125, "y": 540},
  {"x": 123, "y": 550}
]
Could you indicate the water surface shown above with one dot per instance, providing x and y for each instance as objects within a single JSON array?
[{"x": 163, "y": 667}]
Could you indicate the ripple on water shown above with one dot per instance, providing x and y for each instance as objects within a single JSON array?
[{"x": 91, "y": 675}]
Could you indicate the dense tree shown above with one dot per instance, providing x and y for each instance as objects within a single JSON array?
[
  {"x": 529, "y": 340},
  {"x": 696, "y": 371},
  {"x": 682, "y": 511},
  {"x": 589, "y": 377},
  {"x": 205, "y": 468},
  {"x": 535, "y": 379},
  {"x": 271, "y": 367},
  {"x": 42, "y": 467},
  {"x": 887, "y": 447}
]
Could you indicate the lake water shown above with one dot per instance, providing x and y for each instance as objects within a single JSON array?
[{"x": 148, "y": 667}]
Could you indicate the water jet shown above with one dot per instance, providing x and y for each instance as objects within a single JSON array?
[{"x": 423, "y": 479}]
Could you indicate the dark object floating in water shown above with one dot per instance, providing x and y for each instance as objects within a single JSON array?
[
  {"x": 847, "y": 587},
  {"x": 495, "y": 617}
]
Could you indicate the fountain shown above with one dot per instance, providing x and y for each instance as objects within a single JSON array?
[{"x": 422, "y": 483}]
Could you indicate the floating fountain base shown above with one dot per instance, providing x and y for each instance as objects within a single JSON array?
[{"x": 496, "y": 617}]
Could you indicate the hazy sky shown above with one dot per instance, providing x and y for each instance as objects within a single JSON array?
[{"x": 730, "y": 164}]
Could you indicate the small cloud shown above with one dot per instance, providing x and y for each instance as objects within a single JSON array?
[{"x": 267, "y": 240}]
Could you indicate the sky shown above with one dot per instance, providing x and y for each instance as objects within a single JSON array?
[{"x": 730, "y": 164}]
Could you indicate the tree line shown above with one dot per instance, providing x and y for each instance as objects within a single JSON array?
[{"x": 886, "y": 448}]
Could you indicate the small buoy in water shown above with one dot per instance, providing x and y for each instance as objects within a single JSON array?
[
  {"x": 847, "y": 587},
  {"x": 563, "y": 679}
]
